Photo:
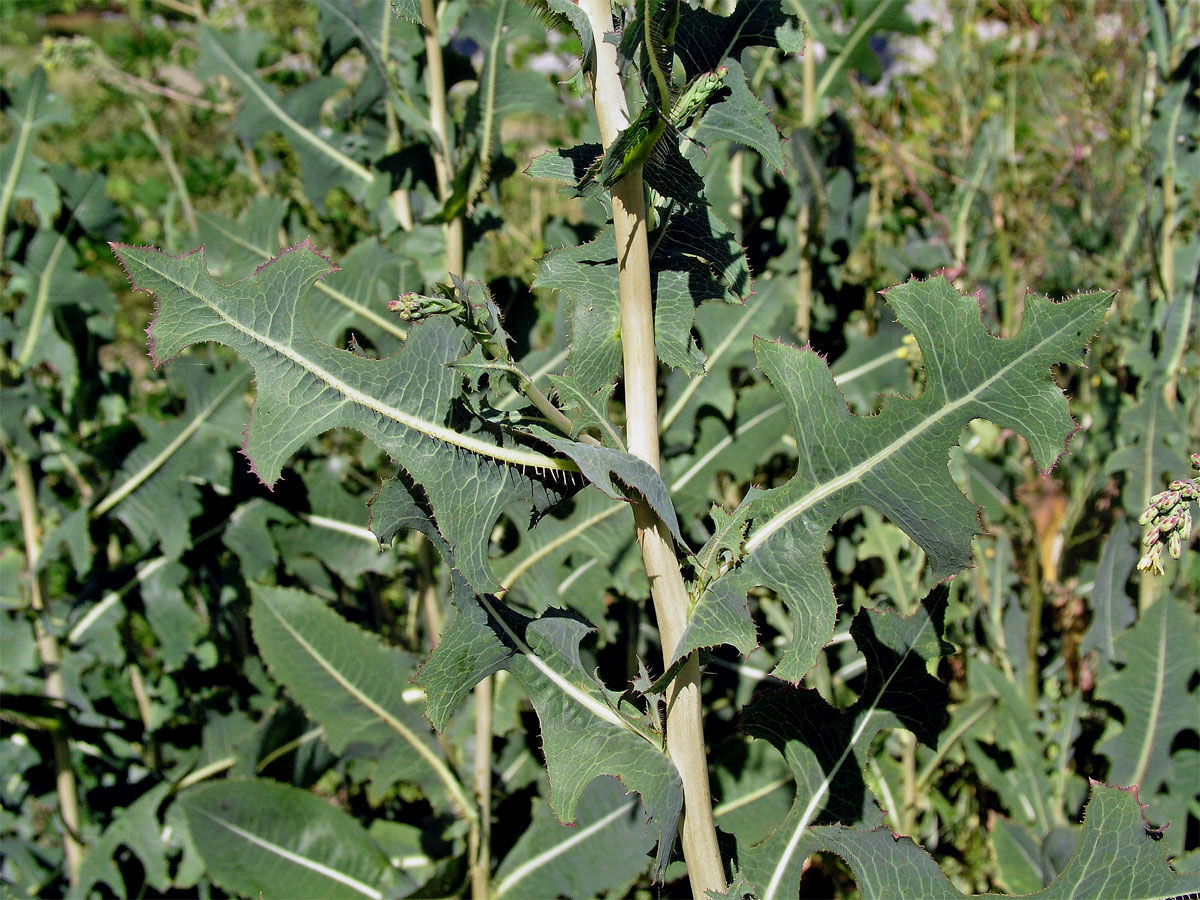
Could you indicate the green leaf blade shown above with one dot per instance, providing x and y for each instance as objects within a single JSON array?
[
  {"x": 352, "y": 685},
  {"x": 262, "y": 839},
  {"x": 894, "y": 461}
]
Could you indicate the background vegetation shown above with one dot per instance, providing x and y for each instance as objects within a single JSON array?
[{"x": 1013, "y": 145}]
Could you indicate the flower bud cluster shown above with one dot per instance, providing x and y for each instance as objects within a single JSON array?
[
  {"x": 1168, "y": 521},
  {"x": 413, "y": 307}
]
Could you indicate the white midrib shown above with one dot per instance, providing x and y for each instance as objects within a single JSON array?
[
  {"x": 852, "y": 475},
  {"x": 354, "y": 395},
  {"x": 720, "y": 350},
  {"x": 355, "y": 531},
  {"x": 519, "y": 874},
  {"x": 758, "y": 793},
  {"x": 550, "y": 546},
  {"x": 1160, "y": 676},
  {"x": 139, "y": 477},
  {"x": 577, "y": 694},
  {"x": 443, "y": 772},
  {"x": 311, "y": 864},
  {"x": 250, "y": 84},
  {"x": 818, "y": 795},
  {"x": 41, "y": 301},
  {"x": 489, "y": 105},
  {"x": 721, "y": 445},
  {"x": 348, "y": 302}
]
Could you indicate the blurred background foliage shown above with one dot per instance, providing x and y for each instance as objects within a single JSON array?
[{"x": 1014, "y": 145}]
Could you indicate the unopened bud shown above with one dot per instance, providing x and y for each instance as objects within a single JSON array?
[
  {"x": 413, "y": 307},
  {"x": 1148, "y": 515},
  {"x": 1175, "y": 545}
]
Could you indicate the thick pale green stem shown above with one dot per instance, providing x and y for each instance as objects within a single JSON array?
[
  {"x": 481, "y": 855},
  {"x": 685, "y": 726}
]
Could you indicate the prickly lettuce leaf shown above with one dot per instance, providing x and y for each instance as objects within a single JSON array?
[
  {"x": 32, "y": 107},
  {"x": 741, "y": 118},
  {"x": 154, "y": 496},
  {"x": 586, "y": 731},
  {"x": 259, "y": 838},
  {"x": 827, "y": 748},
  {"x": 895, "y": 461},
  {"x": 703, "y": 39},
  {"x": 1116, "y": 857},
  {"x": 329, "y": 159},
  {"x": 1157, "y": 663},
  {"x": 332, "y": 669},
  {"x": 405, "y": 404},
  {"x": 603, "y": 852}
]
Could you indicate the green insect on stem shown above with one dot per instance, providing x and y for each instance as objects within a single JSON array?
[
  {"x": 695, "y": 97},
  {"x": 632, "y": 147}
]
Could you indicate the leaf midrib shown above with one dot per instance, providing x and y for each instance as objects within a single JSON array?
[
  {"x": 439, "y": 767},
  {"x": 251, "y": 84},
  {"x": 1160, "y": 676},
  {"x": 855, "y": 473},
  {"x": 150, "y": 468},
  {"x": 303, "y": 861},
  {"x": 354, "y": 395},
  {"x": 519, "y": 874}
]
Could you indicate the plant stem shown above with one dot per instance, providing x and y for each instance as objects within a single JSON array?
[
  {"x": 685, "y": 725},
  {"x": 436, "y": 84},
  {"x": 1033, "y": 636},
  {"x": 481, "y": 837},
  {"x": 51, "y": 657},
  {"x": 164, "y": 150}
]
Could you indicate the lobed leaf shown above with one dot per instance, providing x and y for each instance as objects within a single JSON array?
[
  {"x": 827, "y": 748},
  {"x": 1116, "y": 857},
  {"x": 1155, "y": 690},
  {"x": 585, "y": 732},
  {"x": 403, "y": 403},
  {"x": 894, "y": 461}
]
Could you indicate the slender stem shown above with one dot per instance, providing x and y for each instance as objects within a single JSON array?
[
  {"x": 481, "y": 857},
  {"x": 51, "y": 657},
  {"x": 164, "y": 150},
  {"x": 685, "y": 726},
  {"x": 1166, "y": 255},
  {"x": 1033, "y": 676},
  {"x": 802, "y": 323},
  {"x": 908, "y": 768},
  {"x": 436, "y": 85}
]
